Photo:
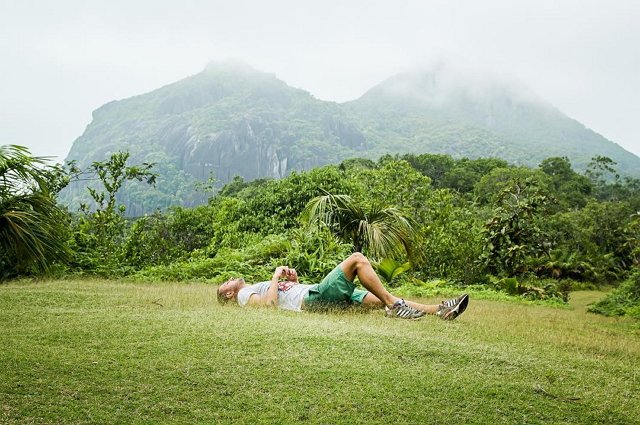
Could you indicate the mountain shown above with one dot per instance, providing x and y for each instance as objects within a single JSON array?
[
  {"x": 442, "y": 111},
  {"x": 231, "y": 119},
  {"x": 227, "y": 120}
]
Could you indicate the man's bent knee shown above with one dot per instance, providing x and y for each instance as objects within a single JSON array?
[
  {"x": 357, "y": 256},
  {"x": 352, "y": 263},
  {"x": 357, "y": 259}
]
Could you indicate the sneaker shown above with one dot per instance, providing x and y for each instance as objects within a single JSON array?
[
  {"x": 450, "y": 309},
  {"x": 401, "y": 310}
]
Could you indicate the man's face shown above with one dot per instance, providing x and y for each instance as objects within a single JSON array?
[{"x": 230, "y": 287}]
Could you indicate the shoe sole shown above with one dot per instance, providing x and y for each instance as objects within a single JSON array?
[
  {"x": 458, "y": 310},
  {"x": 391, "y": 315},
  {"x": 464, "y": 302}
]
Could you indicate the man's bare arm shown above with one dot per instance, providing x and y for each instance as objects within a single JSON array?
[{"x": 270, "y": 299}]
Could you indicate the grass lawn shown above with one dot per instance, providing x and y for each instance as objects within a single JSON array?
[{"x": 113, "y": 352}]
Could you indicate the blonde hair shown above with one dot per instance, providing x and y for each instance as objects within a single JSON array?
[{"x": 222, "y": 299}]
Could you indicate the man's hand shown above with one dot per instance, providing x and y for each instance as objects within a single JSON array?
[
  {"x": 281, "y": 272},
  {"x": 270, "y": 298},
  {"x": 285, "y": 272},
  {"x": 292, "y": 275}
]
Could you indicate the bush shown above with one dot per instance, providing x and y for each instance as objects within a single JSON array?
[
  {"x": 540, "y": 289},
  {"x": 227, "y": 264},
  {"x": 274, "y": 206},
  {"x": 162, "y": 238},
  {"x": 622, "y": 301},
  {"x": 452, "y": 239},
  {"x": 313, "y": 255}
]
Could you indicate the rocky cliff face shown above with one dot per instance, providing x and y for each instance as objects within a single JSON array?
[
  {"x": 224, "y": 122},
  {"x": 249, "y": 150},
  {"x": 254, "y": 149},
  {"x": 229, "y": 118}
]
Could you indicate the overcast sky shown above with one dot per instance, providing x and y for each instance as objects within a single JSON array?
[{"x": 62, "y": 59}]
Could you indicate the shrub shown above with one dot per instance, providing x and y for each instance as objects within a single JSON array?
[
  {"x": 622, "y": 301},
  {"x": 313, "y": 255},
  {"x": 543, "y": 289},
  {"x": 451, "y": 233},
  {"x": 161, "y": 238}
]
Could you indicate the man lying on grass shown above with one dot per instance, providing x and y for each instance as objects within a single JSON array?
[{"x": 337, "y": 288}]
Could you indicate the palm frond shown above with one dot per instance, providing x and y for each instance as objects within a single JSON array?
[
  {"x": 384, "y": 232},
  {"x": 20, "y": 172},
  {"x": 32, "y": 230},
  {"x": 337, "y": 212}
]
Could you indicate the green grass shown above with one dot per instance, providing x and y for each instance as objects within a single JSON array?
[{"x": 113, "y": 352}]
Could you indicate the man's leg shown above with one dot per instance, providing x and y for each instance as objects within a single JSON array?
[
  {"x": 378, "y": 296},
  {"x": 372, "y": 301},
  {"x": 357, "y": 265}
]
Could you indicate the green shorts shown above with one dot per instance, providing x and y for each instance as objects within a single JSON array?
[{"x": 335, "y": 288}]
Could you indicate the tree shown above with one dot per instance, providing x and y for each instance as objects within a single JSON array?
[
  {"x": 383, "y": 232},
  {"x": 352, "y": 163},
  {"x": 571, "y": 189},
  {"x": 492, "y": 184},
  {"x": 434, "y": 166},
  {"x": 450, "y": 231},
  {"x": 513, "y": 234},
  {"x": 99, "y": 233},
  {"x": 275, "y": 205},
  {"x": 605, "y": 179},
  {"x": 466, "y": 172},
  {"x": 631, "y": 245},
  {"x": 32, "y": 227},
  {"x": 601, "y": 169},
  {"x": 394, "y": 182}
]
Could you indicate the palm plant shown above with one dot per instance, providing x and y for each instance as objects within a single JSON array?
[
  {"x": 31, "y": 225},
  {"x": 383, "y": 232},
  {"x": 389, "y": 269}
]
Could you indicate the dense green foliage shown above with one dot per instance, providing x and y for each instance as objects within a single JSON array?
[
  {"x": 513, "y": 234},
  {"x": 504, "y": 222},
  {"x": 624, "y": 300},
  {"x": 99, "y": 230}
]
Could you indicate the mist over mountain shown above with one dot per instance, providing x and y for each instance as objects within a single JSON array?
[
  {"x": 444, "y": 111},
  {"x": 231, "y": 119}
]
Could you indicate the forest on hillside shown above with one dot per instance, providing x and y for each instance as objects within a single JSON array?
[{"x": 483, "y": 223}]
